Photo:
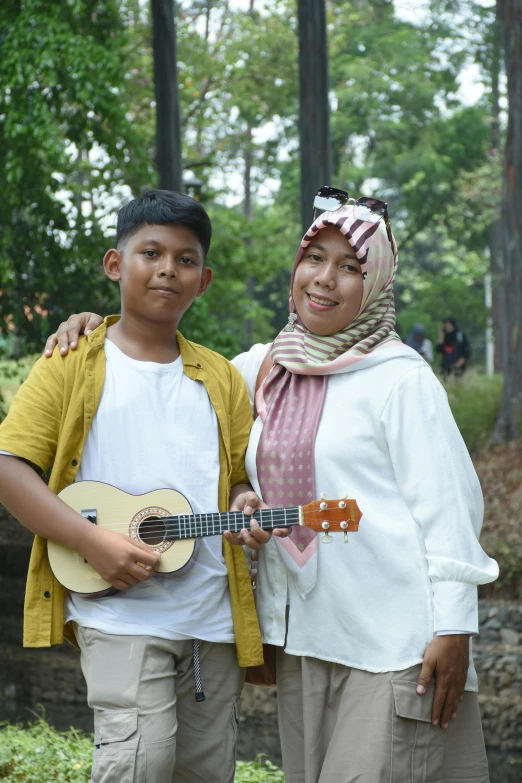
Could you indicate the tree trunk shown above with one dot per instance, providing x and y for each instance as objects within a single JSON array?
[
  {"x": 248, "y": 340},
  {"x": 510, "y": 419},
  {"x": 168, "y": 124},
  {"x": 495, "y": 233},
  {"x": 316, "y": 152}
]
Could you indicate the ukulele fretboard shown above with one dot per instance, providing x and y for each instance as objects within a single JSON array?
[{"x": 199, "y": 525}]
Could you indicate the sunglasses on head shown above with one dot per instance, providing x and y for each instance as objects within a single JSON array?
[{"x": 369, "y": 210}]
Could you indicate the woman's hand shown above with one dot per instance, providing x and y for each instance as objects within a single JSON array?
[
  {"x": 243, "y": 498},
  {"x": 68, "y": 332},
  {"x": 448, "y": 658}
]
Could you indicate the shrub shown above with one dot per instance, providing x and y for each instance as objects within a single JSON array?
[
  {"x": 12, "y": 374},
  {"x": 475, "y": 402},
  {"x": 40, "y": 754}
]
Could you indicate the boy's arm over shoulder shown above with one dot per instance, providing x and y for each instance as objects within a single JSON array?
[{"x": 31, "y": 428}]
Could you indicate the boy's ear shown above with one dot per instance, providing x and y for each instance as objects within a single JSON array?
[
  {"x": 206, "y": 279},
  {"x": 112, "y": 263}
]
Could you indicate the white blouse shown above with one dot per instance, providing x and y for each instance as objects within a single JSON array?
[{"x": 388, "y": 439}]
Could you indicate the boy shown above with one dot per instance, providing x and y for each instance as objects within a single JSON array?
[{"x": 139, "y": 407}]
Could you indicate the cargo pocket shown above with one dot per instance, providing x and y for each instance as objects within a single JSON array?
[
  {"x": 116, "y": 740},
  {"x": 417, "y": 745}
]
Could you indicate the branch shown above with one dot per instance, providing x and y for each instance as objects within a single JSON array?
[{"x": 194, "y": 164}]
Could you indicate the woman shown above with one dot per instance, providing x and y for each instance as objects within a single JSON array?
[{"x": 364, "y": 630}]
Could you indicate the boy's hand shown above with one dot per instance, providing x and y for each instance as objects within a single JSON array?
[
  {"x": 248, "y": 502},
  {"x": 448, "y": 658},
  {"x": 120, "y": 560},
  {"x": 68, "y": 332}
]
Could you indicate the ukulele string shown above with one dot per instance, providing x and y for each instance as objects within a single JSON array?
[
  {"x": 278, "y": 518},
  {"x": 164, "y": 522}
]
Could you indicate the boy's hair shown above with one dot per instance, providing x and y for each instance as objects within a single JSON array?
[{"x": 164, "y": 207}]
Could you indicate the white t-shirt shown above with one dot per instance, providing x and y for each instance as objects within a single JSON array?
[
  {"x": 388, "y": 439},
  {"x": 155, "y": 428}
]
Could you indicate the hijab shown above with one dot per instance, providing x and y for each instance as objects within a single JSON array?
[
  {"x": 291, "y": 399},
  {"x": 416, "y": 337}
]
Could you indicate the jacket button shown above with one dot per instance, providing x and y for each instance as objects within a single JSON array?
[
  {"x": 47, "y": 594},
  {"x": 74, "y": 463}
]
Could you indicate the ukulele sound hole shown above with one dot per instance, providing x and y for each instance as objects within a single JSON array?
[{"x": 152, "y": 531}]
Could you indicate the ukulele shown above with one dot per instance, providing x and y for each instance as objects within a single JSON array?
[{"x": 164, "y": 520}]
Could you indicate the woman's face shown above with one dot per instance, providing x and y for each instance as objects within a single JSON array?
[{"x": 328, "y": 284}]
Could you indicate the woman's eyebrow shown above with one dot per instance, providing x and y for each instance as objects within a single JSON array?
[{"x": 321, "y": 247}]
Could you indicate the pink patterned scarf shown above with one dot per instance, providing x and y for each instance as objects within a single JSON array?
[{"x": 291, "y": 399}]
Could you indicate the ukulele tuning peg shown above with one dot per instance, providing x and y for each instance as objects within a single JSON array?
[
  {"x": 323, "y": 495},
  {"x": 344, "y": 527},
  {"x": 326, "y": 539}
]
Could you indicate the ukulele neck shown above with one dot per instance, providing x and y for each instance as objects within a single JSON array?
[{"x": 199, "y": 525}]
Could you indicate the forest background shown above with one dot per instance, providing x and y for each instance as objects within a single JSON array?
[{"x": 77, "y": 138}]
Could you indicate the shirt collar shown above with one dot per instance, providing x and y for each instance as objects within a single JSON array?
[{"x": 189, "y": 354}]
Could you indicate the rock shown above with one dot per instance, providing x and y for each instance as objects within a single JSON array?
[{"x": 508, "y": 636}]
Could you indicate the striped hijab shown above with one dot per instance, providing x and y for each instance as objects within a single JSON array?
[
  {"x": 305, "y": 353},
  {"x": 291, "y": 399}
]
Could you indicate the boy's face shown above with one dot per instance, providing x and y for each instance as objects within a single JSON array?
[{"x": 161, "y": 270}]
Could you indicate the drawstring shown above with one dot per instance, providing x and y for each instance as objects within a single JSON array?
[{"x": 199, "y": 695}]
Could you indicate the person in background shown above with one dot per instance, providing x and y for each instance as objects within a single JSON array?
[
  {"x": 419, "y": 342},
  {"x": 454, "y": 347}
]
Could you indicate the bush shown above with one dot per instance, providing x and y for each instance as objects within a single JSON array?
[
  {"x": 12, "y": 373},
  {"x": 40, "y": 754},
  {"x": 475, "y": 402}
]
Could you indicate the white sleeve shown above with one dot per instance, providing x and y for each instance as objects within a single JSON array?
[
  {"x": 441, "y": 489},
  {"x": 248, "y": 364}
]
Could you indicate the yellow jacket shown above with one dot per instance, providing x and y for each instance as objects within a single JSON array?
[{"x": 47, "y": 424}]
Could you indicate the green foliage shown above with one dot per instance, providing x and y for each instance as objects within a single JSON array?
[
  {"x": 65, "y": 145},
  {"x": 40, "y": 754},
  {"x": 77, "y": 124},
  {"x": 12, "y": 374},
  {"x": 441, "y": 278},
  {"x": 475, "y": 401},
  {"x": 260, "y": 771}
]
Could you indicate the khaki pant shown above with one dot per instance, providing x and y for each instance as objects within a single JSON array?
[
  {"x": 342, "y": 725},
  {"x": 148, "y": 727}
]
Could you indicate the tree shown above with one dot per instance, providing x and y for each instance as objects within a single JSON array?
[
  {"x": 510, "y": 420},
  {"x": 168, "y": 123},
  {"x": 314, "y": 112},
  {"x": 65, "y": 150}
]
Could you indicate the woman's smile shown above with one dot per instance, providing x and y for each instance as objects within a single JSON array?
[{"x": 320, "y": 303}]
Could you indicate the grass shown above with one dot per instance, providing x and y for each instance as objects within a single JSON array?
[
  {"x": 40, "y": 754},
  {"x": 475, "y": 402}
]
